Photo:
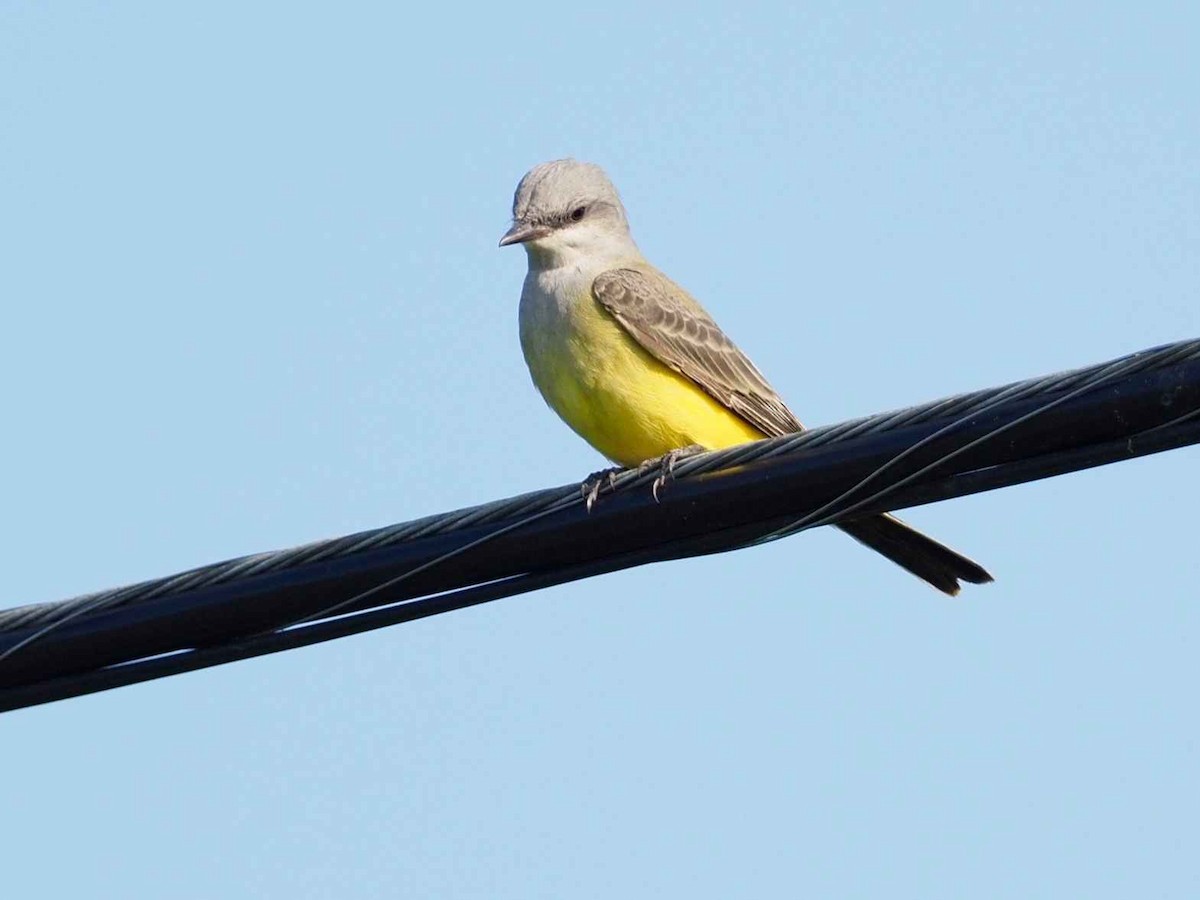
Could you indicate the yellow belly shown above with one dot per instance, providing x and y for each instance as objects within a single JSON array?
[{"x": 622, "y": 400}]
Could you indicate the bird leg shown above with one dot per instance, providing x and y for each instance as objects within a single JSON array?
[
  {"x": 605, "y": 479},
  {"x": 666, "y": 465}
]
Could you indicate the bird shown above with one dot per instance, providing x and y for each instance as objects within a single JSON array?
[{"x": 636, "y": 366}]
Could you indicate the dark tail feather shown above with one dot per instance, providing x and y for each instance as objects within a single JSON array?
[{"x": 921, "y": 555}]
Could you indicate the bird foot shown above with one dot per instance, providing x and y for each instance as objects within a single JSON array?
[
  {"x": 666, "y": 466},
  {"x": 605, "y": 479}
]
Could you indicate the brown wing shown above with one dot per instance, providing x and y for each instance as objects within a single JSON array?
[{"x": 675, "y": 330}]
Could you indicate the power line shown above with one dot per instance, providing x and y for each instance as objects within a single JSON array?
[{"x": 1143, "y": 403}]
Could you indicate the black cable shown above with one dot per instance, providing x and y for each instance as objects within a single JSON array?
[{"x": 1142, "y": 403}]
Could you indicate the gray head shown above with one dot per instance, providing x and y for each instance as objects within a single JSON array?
[{"x": 564, "y": 206}]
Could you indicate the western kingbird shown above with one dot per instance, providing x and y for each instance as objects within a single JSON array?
[{"x": 637, "y": 367}]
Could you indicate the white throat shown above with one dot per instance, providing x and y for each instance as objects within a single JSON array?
[{"x": 582, "y": 248}]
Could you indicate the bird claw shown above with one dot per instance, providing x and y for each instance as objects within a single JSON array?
[
  {"x": 605, "y": 479},
  {"x": 666, "y": 466}
]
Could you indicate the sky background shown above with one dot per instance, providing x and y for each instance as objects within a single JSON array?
[{"x": 252, "y": 298}]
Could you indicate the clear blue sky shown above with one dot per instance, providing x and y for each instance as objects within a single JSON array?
[{"x": 252, "y": 297}]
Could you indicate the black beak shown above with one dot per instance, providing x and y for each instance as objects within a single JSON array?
[{"x": 522, "y": 232}]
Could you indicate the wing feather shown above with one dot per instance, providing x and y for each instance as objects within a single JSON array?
[{"x": 673, "y": 328}]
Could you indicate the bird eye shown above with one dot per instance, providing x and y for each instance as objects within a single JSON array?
[{"x": 578, "y": 213}]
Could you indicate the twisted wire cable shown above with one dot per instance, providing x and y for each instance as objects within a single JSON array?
[{"x": 1142, "y": 403}]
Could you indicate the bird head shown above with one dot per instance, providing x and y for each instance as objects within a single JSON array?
[{"x": 565, "y": 208}]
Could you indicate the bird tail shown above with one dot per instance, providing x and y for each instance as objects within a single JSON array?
[{"x": 922, "y": 555}]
